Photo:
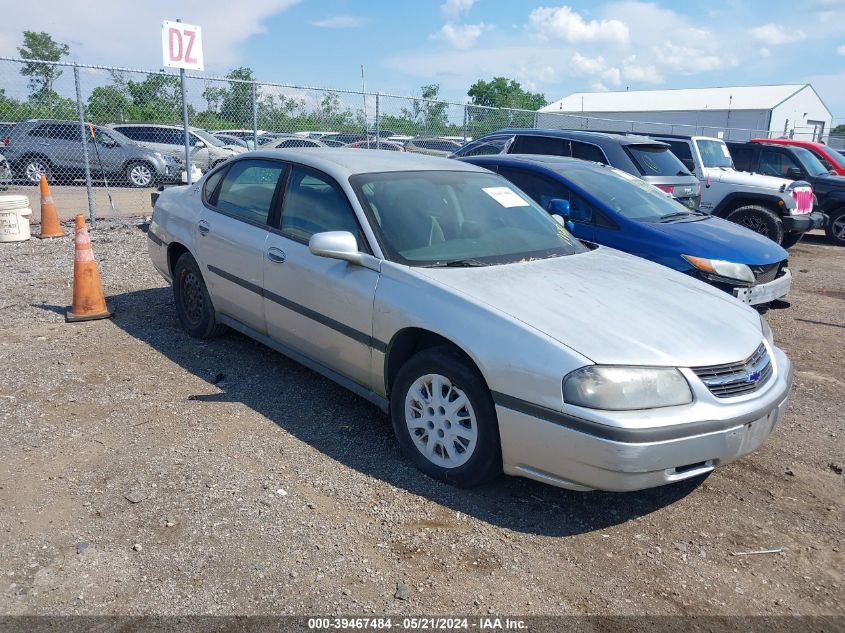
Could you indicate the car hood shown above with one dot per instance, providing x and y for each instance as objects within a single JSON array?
[
  {"x": 746, "y": 178},
  {"x": 614, "y": 308},
  {"x": 716, "y": 238},
  {"x": 831, "y": 181}
]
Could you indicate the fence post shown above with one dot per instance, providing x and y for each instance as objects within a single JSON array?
[
  {"x": 254, "y": 116},
  {"x": 378, "y": 124},
  {"x": 185, "y": 124},
  {"x": 466, "y": 115},
  {"x": 83, "y": 137}
]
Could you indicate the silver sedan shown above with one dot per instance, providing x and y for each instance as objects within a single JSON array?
[{"x": 494, "y": 338}]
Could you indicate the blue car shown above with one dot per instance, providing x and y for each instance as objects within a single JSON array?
[{"x": 613, "y": 208}]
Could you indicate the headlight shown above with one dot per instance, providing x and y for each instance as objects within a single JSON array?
[
  {"x": 623, "y": 388},
  {"x": 721, "y": 268},
  {"x": 767, "y": 331}
]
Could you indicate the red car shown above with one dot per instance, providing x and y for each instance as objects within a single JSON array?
[{"x": 830, "y": 158}]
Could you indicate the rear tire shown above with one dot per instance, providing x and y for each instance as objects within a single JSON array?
[
  {"x": 791, "y": 238},
  {"x": 760, "y": 220},
  {"x": 444, "y": 418},
  {"x": 193, "y": 303},
  {"x": 835, "y": 228}
]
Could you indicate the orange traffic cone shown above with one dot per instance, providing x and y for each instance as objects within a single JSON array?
[
  {"x": 88, "y": 300},
  {"x": 50, "y": 226}
]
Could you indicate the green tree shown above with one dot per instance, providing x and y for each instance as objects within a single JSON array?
[
  {"x": 41, "y": 46},
  {"x": 502, "y": 92},
  {"x": 236, "y": 102},
  {"x": 107, "y": 104},
  {"x": 839, "y": 130}
]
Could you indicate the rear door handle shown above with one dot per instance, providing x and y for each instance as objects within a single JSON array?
[
  {"x": 276, "y": 255},
  {"x": 203, "y": 227}
]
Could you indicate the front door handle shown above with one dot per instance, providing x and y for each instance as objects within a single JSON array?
[
  {"x": 203, "y": 227},
  {"x": 276, "y": 255}
]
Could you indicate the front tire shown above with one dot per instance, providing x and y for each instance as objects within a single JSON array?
[
  {"x": 193, "y": 303},
  {"x": 835, "y": 228},
  {"x": 444, "y": 418},
  {"x": 140, "y": 174},
  {"x": 760, "y": 220},
  {"x": 34, "y": 167}
]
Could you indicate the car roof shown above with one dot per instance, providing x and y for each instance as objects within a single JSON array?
[
  {"x": 557, "y": 164},
  {"x": 342, "y": 162},
  {"x": 585, "y": 135},
  {"x": 797, "y": 142}
]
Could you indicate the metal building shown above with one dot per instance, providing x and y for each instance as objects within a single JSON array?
[{"x": 736, "y": 113}]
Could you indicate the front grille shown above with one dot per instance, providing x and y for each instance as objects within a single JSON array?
[
  {"x": 767, "y": 273},
  {"x": 737, "y": 379}
]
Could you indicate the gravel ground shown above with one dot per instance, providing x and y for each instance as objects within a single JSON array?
[{"x": 142, "y": 472}]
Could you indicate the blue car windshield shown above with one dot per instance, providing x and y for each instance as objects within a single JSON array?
[
  {"x": 442, "y": 218},
  {"x": 625, "y": 194}
]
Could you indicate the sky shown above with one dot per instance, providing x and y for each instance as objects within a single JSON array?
[{"x": 549, "y": 47}]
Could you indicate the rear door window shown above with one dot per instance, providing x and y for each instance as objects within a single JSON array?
[
  {"x": 742, "y": 157},
  {"x": 546, "y": 145},
  {"x": 656, "y": 160},
  {"x": 248, "y": 188},
  {"x": 588, "y": 151}
]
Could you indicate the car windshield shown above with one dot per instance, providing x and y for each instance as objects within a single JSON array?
[
  {"x": 445, "y": 218},
  {"x": 626, "y": 194},
  {"x": 656, "y": 160},
  {"x": 808, "y": 160},
  {"x": 714, "y": 153},
  {"x": 837, "y": 158},
  {"x": 208, "y": 138}
]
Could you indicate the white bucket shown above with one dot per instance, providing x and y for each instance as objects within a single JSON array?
[
  {"x": 196, "y": 174},
  {"x": 14, "y": 218}
]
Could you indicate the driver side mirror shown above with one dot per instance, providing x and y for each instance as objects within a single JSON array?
[
  {"x": 199, "y": 144},
  {"x": 689, "y": 163},
  {"x": 794, "y": 173},
  {"x": 336, "y": 245},
  {"x": 559, "y": 208}
]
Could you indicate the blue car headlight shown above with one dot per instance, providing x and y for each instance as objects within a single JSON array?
[{"x": 721, "y": 268}]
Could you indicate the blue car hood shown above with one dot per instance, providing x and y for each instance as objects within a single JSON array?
[{"x": 716, "y": 238}]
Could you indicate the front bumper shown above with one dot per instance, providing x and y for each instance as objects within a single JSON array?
[
  {"x": 765, "y": 293},
  {"x": 580, "y": 454},
  {"x": 804, "y": 223}
]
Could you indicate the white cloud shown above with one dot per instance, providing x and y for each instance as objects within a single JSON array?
[
  {"x": 565, "y": 24},
  {"x": 840, "y": 50},
  {"x": 340, "y": 22},
  {"x": 775, "y": 34},
  {"x": 461, "y": 36},
  {"x": 454, "y": 8},
  {"x": 598, "y": 87},
  {"x": 646, "y": 74},
  {"x": 765, "y": 52},
  {"x": 89, "y": 26}
]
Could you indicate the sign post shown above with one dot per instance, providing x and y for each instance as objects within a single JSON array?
[{"x": 181, "y": 47}]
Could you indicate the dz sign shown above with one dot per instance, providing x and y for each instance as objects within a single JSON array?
[{"x": 181, "y": 45}]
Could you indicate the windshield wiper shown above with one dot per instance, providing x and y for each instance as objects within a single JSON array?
[
  {"x": 457, "y": 263},
  {"x": 675, "y": 216}
]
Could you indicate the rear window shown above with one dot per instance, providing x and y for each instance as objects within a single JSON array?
[
  {"x": 656, "y": 160},
  {"x": 550, "y": 146}
]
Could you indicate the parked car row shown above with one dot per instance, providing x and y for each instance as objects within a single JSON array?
[
  {"x": 117, "y": 151},
  {"x": 451, "y": 294}
]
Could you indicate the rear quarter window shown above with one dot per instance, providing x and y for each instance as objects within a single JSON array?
[{"x": 656, "y": 160}]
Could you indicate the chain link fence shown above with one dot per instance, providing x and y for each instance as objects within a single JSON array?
[{"x": 107, "y": 137}]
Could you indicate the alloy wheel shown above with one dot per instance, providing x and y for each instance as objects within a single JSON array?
[
  {"x": 441, "y": 421},
  {"x": 34, "y": 170},
  {"x": 838, "y": 228},
  {"x": 141, "y": 175}
]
